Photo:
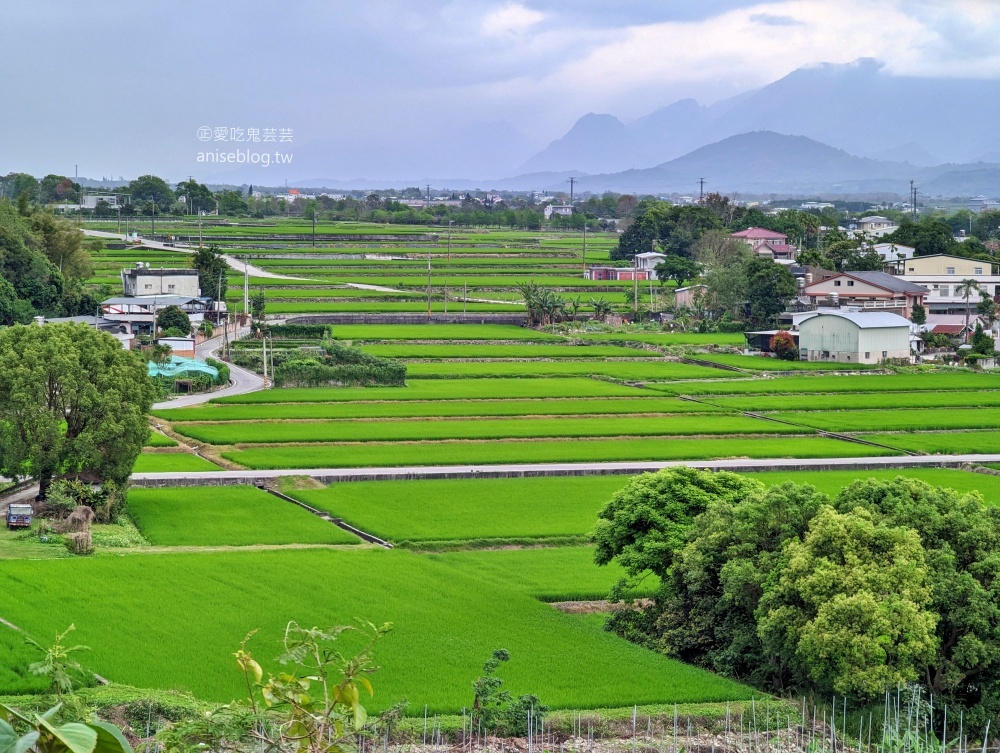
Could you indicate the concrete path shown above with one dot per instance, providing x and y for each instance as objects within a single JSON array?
[
  {"x": 241, "y": 381},
  {"x": 185, "y": 248},
  {"x": 739, "y": 465}
]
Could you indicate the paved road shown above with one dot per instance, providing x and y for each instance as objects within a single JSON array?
[
  {"x": 742, "y": 465},
  {"x": 184, "y": 248},
  {"x": 241, "y": 380}
]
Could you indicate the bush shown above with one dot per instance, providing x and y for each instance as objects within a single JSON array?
[
  {"x": 223, "y": 369},
  {"x": 783, "y": 346},
  {"x": 297, "y": 331}
]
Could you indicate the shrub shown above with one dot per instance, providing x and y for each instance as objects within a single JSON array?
[{"x": 783, "y": 346}]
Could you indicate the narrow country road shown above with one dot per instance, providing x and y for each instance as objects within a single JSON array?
[
  {"x": 183, "y": 248},
  {"x": 740, "y": 465},
  {"x": 241, "y": 380}
]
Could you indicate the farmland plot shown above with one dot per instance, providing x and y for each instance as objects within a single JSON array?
[{"x": 445, "y": 625}]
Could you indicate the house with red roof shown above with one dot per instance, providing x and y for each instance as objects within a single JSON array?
[{"x": 768, "y": 243}]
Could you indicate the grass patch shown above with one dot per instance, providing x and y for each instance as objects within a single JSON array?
[
  {"x": 543, "y": 451},
  {"x": 439, "y": 389},
  {"x": 172, "y": 462},
  {"x": 177, "y": 619},
  {"x": 407, "y": 430},
  {"x": 227, "y": 516},
  {"x": 456, "y": 509}
]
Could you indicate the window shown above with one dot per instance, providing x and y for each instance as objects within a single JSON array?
[
  {"x": 868, "y": 354},
  {"x": 148, "y": 286},
  {"x": 885, "y": 353},
  {"x": 912, "y": 269},
  {"x": 850, "y": 283},
  {"x": 836, "y": 283},
  {"x": 977, "y": 270},
  {"x": 949, "y": 270},
  {"x": 170, "y": 288}
]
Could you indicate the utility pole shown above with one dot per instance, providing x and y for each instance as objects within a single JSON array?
[
  {"x": 428, "y": 281},
  {"x": 246, "y": 287},
  {"x": 314, "y": 226},
  {"x": 913, "y": 200},
  {"x": 449, "y": 239},
  {"x": 585, "y": 247},
  {"x": 199, "y": 232},
  {"x": 572, "y": 182},
  {"x": 428, "y": 195},
  {"x": 465, "y": 297},
  {"x": 152, "y": 231},
  {"x": 701, "y": 190}
]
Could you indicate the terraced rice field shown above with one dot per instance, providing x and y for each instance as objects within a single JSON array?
[
  {"x": 387, "y": 454},
  {"x": 468, "y": 509},
  {"x": 227, "y": 516},
  {"x": 172, "y": 462}
]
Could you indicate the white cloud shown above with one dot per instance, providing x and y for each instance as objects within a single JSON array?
[{"x": 512, "y": 18}]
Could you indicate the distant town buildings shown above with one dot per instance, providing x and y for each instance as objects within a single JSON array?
[{"x": 982, "y": 204}]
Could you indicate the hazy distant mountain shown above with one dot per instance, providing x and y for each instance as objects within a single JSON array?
[
  {"x": 757, "y": 162},
  {"x": 857, "y": 107}
]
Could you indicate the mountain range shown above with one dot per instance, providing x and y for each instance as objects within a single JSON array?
[{"x": 858, "y": 107}]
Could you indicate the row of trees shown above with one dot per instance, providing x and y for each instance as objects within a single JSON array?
[
  {"x": 44, "y": 262},
  {"x": 890, "y": 582}
]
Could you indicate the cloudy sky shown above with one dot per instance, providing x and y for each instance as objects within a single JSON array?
[{"x": 396, "y": 88}]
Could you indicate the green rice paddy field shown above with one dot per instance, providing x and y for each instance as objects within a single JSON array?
[{"x": 177, "y": 619}]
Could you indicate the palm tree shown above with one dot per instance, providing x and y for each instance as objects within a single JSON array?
[{"x": 965, "y": 289}]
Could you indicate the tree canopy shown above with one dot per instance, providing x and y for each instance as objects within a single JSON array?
[
  {"x": 74, "y": 401},
  {"x": 888, "y": 582}
]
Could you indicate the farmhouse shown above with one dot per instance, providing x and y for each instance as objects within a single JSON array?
[
  {"x": 866, "y": 337},
  {"x": 868, "y": 290},
  {"x": 767, "y": 243},
  {"x": 944, "y": 264},
  {"x": 142, "y": 280},
  {"x": 690, "y": 296}
]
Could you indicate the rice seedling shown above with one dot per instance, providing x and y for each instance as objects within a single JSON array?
[{"x": 172, "y": 462}]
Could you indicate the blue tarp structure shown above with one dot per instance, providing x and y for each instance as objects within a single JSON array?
[{"x": 178, "y": 366}]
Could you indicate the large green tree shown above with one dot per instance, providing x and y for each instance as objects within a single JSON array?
[
  {"x": 174, "y": 317},
  {"x": 212, "y": 272},
  {"x": 660, "y": 226},
  {"x": 196, "y": 196},
  {"x": 151, "y": 188},
  {"x": 848, "y": 610},
  {"x": 74, "y": 400},
  {"x": 890, "y": 581},
  {"x": 769, "y": 287}
]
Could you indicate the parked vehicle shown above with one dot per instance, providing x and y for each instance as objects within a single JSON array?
[{"x": 19, "y": 516}]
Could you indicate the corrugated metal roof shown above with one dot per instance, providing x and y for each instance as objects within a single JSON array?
[
  {"x": 889, "y": 282},
  {"x": 864, "y": 319}
]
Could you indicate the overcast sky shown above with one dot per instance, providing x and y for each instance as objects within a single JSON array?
[{"x": 380, "y": 88}]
